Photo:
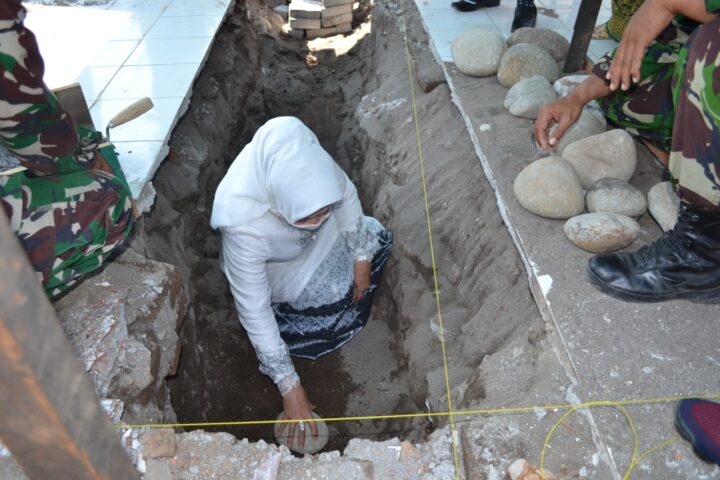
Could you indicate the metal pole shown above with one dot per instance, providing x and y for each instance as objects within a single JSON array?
[
  {"x": 582, "y": 34},
  {"x": 50, "y": 417}
]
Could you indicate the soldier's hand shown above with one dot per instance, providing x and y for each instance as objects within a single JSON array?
[
  {"x": 562, "y": 113},
  {"x": 644, "y": 26}
]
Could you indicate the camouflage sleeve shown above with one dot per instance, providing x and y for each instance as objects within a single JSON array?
[
  {"x": 33, "y": 125},
  {"x": 712, "y": 6}
]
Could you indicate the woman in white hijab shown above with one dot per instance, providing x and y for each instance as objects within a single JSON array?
[{"x": 301, "y": 258}]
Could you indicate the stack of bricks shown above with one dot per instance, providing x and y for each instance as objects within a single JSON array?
[{"x": 320, "y": 18}]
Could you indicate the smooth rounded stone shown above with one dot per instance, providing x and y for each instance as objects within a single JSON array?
[
  {"x": 524, "y": 60},
  {"x": 664, "y": 205},
  {"x": 549, "y": 40},
  {"x": 527, "y": 96},
  {"x": 312, "y": 445},
  {"x": 607, "y": 155},
  {"x": 586, "y": 125},
  {"x": 550, "y": 188},
  {"x": 602, "y": 231},
  {"x": 478, "y": 52},
  {"x": 615, "y": 196}
]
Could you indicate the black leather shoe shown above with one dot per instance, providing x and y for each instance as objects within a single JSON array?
[
  {"x": 472, "y": 5},
  {"x": 525, "y": 16},
  {"x": 683, "y": 263}
]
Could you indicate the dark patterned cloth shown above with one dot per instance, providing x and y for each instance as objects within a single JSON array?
[
  {"x": 676, "y": 104},
  {"x": 67, "y": 216},
  {"x": 313, "y": 332}
]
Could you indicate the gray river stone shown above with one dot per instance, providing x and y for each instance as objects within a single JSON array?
[
  {"x": 550, "y": 188},
  {"x": 664, "y": 205},
  {"x": 526, "y": 96},
  {"x": 615, "y": 196},
  {"x": 524, "y": 60},
  {"x": 601, "y": 232},
  {"x": 607, "y": 155},
  {"x": 549, "y": 40},
  {"x": 478, "y": 52},
  {"x": 586, "y": 125}
]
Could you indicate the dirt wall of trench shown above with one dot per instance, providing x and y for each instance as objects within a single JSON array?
[{"x": 360, "y": 106}]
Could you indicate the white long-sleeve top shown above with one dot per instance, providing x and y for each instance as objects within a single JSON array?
[{"x": 268, "y": 260}]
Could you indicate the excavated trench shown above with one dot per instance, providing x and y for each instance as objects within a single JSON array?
[
  {"x": 251, "y": 77},
  {"x": 353, "y": 93}
]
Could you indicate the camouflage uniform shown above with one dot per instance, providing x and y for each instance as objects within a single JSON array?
[
  {"x": 68, "y": 216},
  {"x": 676, "y": 104}
]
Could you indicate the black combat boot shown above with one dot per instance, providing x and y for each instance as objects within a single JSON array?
[
  {"x": 683, "y": 263},
  {"x": 525, "y": 15},
  {"x": 472, "y": 5}
]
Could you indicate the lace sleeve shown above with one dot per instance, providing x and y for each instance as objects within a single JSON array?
[
  {"x": 362, "y": 241},
  {"x": 279, "y": 367}
]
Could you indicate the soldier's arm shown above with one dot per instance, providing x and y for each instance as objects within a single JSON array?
[{"x": 33, "y": 125}]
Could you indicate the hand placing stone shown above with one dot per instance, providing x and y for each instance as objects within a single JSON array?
[
  {"x": 615, "y": 196},
  {"x": 587, "y": 125},
  {"x": 524, "y": 60},
  {"x": 478, "y": 52},
  {"x": 549, "y": 187},
  {"x": 607, "y": 155},
  {"x": 601, "y": 232},
  {"x": 527, "y": 96}
]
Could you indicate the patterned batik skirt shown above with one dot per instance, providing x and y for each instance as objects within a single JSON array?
[{"x": 325, "y": 317}]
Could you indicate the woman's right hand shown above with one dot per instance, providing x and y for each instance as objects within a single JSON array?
[
  {"x": 296, "y": 406},
  {"x": 564, "y": 112}
]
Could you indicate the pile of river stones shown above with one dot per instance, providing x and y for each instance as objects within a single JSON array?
[{"x": 590, "y": 168}]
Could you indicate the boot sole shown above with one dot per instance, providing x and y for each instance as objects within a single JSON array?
[
  {"x": 688, "y": 435},
  {"x": 710, "y": 297},
  {"x": 471, "y": 9}
]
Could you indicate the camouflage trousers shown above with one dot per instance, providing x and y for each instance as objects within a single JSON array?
[
  {"x": 69, "y": 223},
  {"x": 676, "y": 107},
  {"x": 67, "y": 212}
]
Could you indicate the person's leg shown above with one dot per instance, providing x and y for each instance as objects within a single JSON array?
[
  {"x": 684, "y": 262},
  {"x": 622, "y": 11},
  {"x": 67, "y": 224},
  {"x": 525, "y": 15}
]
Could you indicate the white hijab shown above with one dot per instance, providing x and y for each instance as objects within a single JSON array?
[{"x": 284, "y": 169}]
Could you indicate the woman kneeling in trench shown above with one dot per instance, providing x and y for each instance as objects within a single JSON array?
[{"x": 301, "y": 258}]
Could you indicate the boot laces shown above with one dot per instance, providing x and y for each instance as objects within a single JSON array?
[{"x": 672, "y": 246}]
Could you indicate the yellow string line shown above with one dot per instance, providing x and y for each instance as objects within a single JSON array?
[
  {"x": 635, "y": 459},
  {"x": 430, "y": 239},
  {"x": 455, "y": 413}
]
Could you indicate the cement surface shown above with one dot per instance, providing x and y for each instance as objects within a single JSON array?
[{"x": 611, "y": 349}]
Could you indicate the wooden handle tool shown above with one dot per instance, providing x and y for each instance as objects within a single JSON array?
[{"x": 129, "y": 113}]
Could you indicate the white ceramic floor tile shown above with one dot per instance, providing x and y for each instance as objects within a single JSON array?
[
  {"x": 139, "y": 160},
  {"x": 453, "y": 20},
  {"x": 151, "y": 81},
  {"x": 552, "y": 22},
  {"x": 601, "y": 47},
  {"x": 502, "y": 17},
  {"x": 142, "y": 8},
  {"x": 186, "y": 8},
  {"x": 175, "y": 27},
  {"x": 560, "y": 4},
  {"x": 153, "y": 125},
  {"x": 165, "y": 51},
  {"x": 568, "y": 16},
  {"x": 443, "y": 5},
  {"x": 113, "y": 53},
  {"x": 94, "y": 79},
  {"x": 443, "y": 40},
  {"x": 134, "y": 28}
]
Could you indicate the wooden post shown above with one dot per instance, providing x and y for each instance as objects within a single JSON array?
[
  {"x": 582, "y": 34},
  {"x": 50, "y": 417}
]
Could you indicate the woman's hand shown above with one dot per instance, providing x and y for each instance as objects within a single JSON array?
[
  {"x": 296, "y": 406},
  {"x": 564, "y": 112},
  {"x": 644, "y": 26},
  {"x": 362, "y": 279}
]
